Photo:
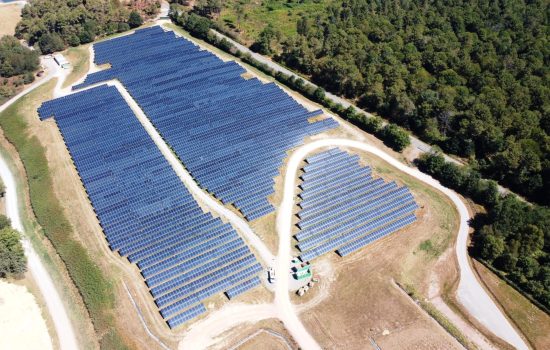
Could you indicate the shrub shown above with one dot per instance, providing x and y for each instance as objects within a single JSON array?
[{"x": 134, "y": 20}]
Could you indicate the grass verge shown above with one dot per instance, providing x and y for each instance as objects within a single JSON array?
[
  {"x": 533, "y": 322},
  {"x": 437, "y": 316},
  {"x": 79, "y": 59},
  {"x": 95, "y": 289}
]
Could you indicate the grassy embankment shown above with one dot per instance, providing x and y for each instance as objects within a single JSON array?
[
  {"x": 95, "y": 289},
  {"x": 79, "y": 58},
  {"x": 531, "y": 321}
]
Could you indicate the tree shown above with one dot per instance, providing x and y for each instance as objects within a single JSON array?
[
  {"x": 395, "y": 137},
  {"x": 197, "y": 25},
  {"x": 135, "y": 20},
  {"x": 266, "y": 40},
  {"x": 50, "y": 43},
  {"x": 12, "y": 256},
  {"x": 15, "y": 59},
  {"x": 490, "y": 246},
  {"x": 319, "y": 94}
]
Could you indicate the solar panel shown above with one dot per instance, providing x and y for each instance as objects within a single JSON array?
[
  {"x": 343, "y": 208},
  {"x": 146, "y": 212},
  {"x": 231, "y": 133}
]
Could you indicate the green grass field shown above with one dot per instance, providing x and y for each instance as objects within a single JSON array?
[{"x": 250, "y": 16}]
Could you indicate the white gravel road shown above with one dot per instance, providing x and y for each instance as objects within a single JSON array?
[
  {"x": 55, "y": 306},
  {"x": 470, "y": 292},
  {"x": 56, "y": 309}
]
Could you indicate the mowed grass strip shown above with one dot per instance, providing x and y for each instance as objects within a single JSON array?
[{"x": 95, "y": 289}]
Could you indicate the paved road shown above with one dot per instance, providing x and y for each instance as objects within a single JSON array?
[
  {"x": 470, "y": 292},
  {"x": 422, "y": 146}
]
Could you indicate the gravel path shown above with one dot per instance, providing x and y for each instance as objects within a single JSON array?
[
  {"x": 470, "y": 292},
  {"x": 55, "y": 306}
]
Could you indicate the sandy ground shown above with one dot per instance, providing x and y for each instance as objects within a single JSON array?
[
  {"x": 9, "y": 16},
  {"x": 264, "y": 341},
  {"x": 22, "y": 326}
]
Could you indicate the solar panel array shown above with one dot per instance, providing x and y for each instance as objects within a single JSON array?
[
  {"x": 230, "y": 133},
  {"x": 344, "y": 208},
  {"x": 146, "y": 212}
]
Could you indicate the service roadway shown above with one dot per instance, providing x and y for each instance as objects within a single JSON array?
[
  {"x": 470, "y": 293},
  {"x": 54, "y": 304}
]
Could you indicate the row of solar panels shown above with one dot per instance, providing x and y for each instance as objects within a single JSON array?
[
  {"x": 230, "y": 133},
  {"x": 343, "y": 207},
  {"x": 146, "y": 212}
]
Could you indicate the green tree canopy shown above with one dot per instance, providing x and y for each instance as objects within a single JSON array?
[
  {"x": 135, "y": 20},
  {"x": 15, "y": 59},
  {"x": 12, "y": 256}
]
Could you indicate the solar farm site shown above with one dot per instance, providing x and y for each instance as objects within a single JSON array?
[
  {"x": 231, "y": 133},
  {"x": 343, "y": 207},
  {"x": 146, "y": 212}
]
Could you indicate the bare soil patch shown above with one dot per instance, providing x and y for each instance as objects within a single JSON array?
[
  {"x": 264, "y": 340},
  {"x": 252, "y": 337},
  {"x": 21, "y": 323}
]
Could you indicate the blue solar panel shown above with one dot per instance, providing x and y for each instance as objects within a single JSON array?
[
  {"x": 243, "y": 287},
  {"x": 232, "y": 134},
  {"x": 145, "y": 210},
  {"x": 344, "y": 208}
]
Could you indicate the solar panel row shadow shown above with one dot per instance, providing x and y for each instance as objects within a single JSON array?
[
  {"x": 231, "y": 133},
  {"x": 146, "y": 212},
  {"x": 343, "y": 208}
]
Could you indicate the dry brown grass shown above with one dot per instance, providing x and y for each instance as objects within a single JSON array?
[
  {"x": 260, "y": 340},
  {"x": 264, "y": 341},
  {"x": 10, "y": 14},
  {"x": 531, "y": 321},
  {"x": 362, "y": 302},
  {"x": 79, "y": 57}
]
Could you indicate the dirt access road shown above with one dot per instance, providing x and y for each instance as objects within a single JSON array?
[
  {"x": 470, "y": 292},
  {"x": 55, "y": 306}
]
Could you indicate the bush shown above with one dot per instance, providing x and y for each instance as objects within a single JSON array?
[
  {"x": 395, "y": 137},
  {"x": 123, "y": 27},
  {"x": 4, "y": 222},
  {"x": 134, "y": 20},
  {"x": 12, "y": 256},
  {"x": 28, "y": 78},
  {"x": 73, "y": 40}
]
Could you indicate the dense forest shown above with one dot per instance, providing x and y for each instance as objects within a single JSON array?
[
  {"x": 470, "y": 76},
  {"x": 17, "y": 66},
  {"x": 56, "y": 24}
]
